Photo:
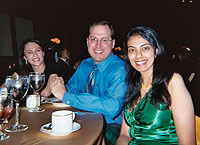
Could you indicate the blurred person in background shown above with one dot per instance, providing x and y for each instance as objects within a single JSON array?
[
  {"x": 183, "y": 64},
  {"x": 65, "y": 65},
  {"x": 51, "y": 52},
  {"x": 194, "y": 84}
]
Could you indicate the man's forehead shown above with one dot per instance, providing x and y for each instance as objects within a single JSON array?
[{"x": 100, "y": 29}]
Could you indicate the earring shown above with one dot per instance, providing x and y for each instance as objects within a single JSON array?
[{"x": 26, "y": 61}]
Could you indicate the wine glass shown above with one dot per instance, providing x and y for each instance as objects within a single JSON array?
[
  {"x": 36, "y": 82},
  {"x": 10, "y": 81},
  {"x": 19, "y": 88},
  {"x": 6, "y": 107},
  {"x": 9, "y": 85},
  {"x": 4, "y": 90}
]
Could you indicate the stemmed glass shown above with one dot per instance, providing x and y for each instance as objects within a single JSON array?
[
  {"x": 9, "y": 85},
  {"x": 18, "y": 86},
  {"x": 36, "y": 82},
  {"x": 6, "y": 107}
]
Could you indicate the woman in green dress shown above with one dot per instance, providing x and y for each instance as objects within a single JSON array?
[{"x": 159, "y": 109}]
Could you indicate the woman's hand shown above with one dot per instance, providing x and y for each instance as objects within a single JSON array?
[
  {"x": 46, "y": 92},
  {"x": 58, "y": 87}
]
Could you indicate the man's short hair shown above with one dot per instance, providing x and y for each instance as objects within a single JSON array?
[{"x": 102, "y": 23}]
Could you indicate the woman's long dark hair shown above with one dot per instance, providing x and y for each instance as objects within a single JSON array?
[
  {"x": 25, "y": 65},
  {"x": 161, "y": 74}
]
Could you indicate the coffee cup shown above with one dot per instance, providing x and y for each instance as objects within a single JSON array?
[
  {"x": 62, "y": 121},
  {"x": 31, "y": 101}
]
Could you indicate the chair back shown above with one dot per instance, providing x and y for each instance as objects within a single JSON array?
[{"x": 197, "y": 119}]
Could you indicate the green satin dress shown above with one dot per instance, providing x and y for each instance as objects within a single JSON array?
[{"x": 150, "y": 125}]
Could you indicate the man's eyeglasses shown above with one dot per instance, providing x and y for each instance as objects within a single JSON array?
[{"x": 102, "y": 41}]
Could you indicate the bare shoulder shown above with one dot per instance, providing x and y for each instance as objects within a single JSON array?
[
  {"x": 177, "y": 86},
  {"x": 176, "y": 79}
]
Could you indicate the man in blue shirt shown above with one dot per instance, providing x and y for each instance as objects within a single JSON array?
[{"x": 108, "y": 94}]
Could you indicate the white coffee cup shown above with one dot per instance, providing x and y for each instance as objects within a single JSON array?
[
  {"x": 31, "y": 101},
  {"x": 62, "y": 121}
]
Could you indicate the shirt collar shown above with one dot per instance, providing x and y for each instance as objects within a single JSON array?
[
  {"x": 103, "y": 65},
  {"x": 63, "y": 59}
]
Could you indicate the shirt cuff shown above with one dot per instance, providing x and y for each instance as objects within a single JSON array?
[{"x": 68, "y": 98}]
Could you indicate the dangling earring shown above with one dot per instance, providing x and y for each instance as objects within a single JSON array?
[{"x": 26, "y": 61}]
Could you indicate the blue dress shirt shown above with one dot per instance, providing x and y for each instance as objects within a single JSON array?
[{"x": 109, "y": 91}]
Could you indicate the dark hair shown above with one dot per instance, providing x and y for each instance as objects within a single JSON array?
[
  {"x": 26, "y": 67},
  {"x": 102, "y": 23},
  {"x": 161, "y": 77}
]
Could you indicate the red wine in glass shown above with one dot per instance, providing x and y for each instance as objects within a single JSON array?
[
  {"x": 4, "y": 114},
  {"x": 6, "y": 107}
]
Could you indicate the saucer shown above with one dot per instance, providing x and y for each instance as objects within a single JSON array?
[
  {"x": 54, "y": 101},
  {"x": 60, "y": 105},
  {"x": 45, "y": 129}
]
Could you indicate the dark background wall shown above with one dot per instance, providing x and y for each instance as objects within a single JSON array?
[{"x": 177, "y": 23}]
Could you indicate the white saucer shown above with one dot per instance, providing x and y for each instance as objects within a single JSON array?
[
  {"x": 76, "y": 126},
  {"x": 60, "y": 105},
  {"x": 54, "y": 101}
]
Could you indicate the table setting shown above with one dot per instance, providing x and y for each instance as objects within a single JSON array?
[
  {"x": 57, "y": 123},
  {"x": 62, "y": 123}
]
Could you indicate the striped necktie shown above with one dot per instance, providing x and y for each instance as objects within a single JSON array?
[{"x": 91, "y": 80}]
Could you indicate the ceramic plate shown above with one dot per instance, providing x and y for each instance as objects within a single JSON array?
[
  {"x": 46, "y": 129},
  {"x": 60, "y": 105}
]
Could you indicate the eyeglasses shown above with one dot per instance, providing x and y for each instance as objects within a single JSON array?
[{"x": 102, "y": 41}]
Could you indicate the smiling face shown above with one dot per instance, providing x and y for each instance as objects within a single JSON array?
[
  {"x": 100, "y": 43},
  {"x": 33, "y": 54},
  {"x": 141, "y": 54}
]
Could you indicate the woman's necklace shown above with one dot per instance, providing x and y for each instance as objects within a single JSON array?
[
  {"x": 146, "y": 86},
  {"x": 148, "y": 79}
]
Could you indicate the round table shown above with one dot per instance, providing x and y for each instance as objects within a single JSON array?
[{"x": 89, "y": 133}]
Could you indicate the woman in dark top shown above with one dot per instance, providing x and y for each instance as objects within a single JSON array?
[{"x": 32, "y": 60}]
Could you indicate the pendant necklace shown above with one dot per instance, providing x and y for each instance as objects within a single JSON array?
[{"x": 146, "y": 86}]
